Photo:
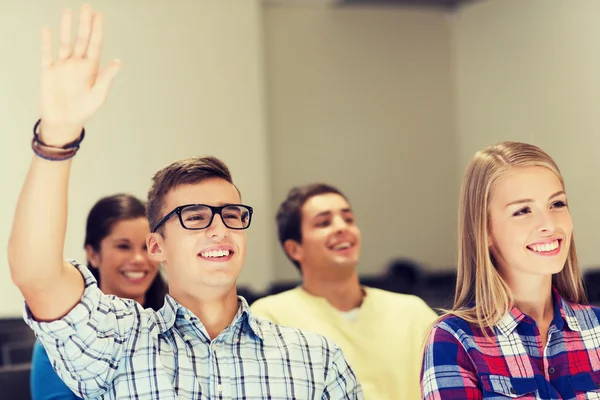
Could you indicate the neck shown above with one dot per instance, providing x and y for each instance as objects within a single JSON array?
[
  {"x": 343, "y": 291},
  {"x": 534, "y": 297},
  {"x": 215, "y": 312}
]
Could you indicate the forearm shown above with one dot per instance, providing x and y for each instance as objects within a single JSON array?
[
  {"x": 71, "y": 91},
  {"x": 35, "y": 250}
]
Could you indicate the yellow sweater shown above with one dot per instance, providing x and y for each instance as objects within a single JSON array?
[{"x": 382, "y": 343}]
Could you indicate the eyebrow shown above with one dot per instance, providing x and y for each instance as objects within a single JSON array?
[
  {"x": 217, "y": 204},
  {"x": 523, "y": 201},
  {"x": 323, "y": 213},
  {"x": 227, "y": 203}
]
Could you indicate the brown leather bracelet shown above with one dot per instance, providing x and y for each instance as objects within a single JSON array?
[
  {"x": 51, "y": 153},
  {"x": 54, "y": 153},
  {"x": 73, "y": 145}
]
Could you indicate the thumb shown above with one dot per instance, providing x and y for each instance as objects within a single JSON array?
[{"x": 105, "y": 79}]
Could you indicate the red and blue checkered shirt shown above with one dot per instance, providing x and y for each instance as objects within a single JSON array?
[{"x": 461, "y": 363}]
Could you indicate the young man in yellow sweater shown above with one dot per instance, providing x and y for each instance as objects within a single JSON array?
[{"x": 380, "y": 332}]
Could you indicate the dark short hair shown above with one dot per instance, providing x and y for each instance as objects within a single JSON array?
[
  {"x": 289, "y": 214},
  {"x": 183, "y": 172},
  {"x": 100, "y": 221}
]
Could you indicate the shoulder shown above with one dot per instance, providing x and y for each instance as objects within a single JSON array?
[
  {"x": 275, "y": 335},
  {"x": 450, "y": 341},
  {"x": 95, "y": 313},
  {"x": 39, "y": 356},
  {"x": 583, "y": 308},
  {"x": 276, "y": 301},
  {"x": 279, "y": 297},
  {"x": 452, "y": 328},
  {"x": 405, "y": 302},
  {"x": 586, "y": 316}
]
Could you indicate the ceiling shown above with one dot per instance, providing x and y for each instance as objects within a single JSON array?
[
  {"x": 443, "y": 4},
  {"x": 437, "y": 4}
]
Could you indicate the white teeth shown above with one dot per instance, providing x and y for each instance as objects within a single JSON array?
[
  {"x": 134, "y": 275},
  {"x": 215, "y": 253},
  {"x": 540, "y": 248},
  {"x": 342, "y": 246}
]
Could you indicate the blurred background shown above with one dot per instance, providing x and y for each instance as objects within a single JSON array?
[{"x": 385, "y": 99}]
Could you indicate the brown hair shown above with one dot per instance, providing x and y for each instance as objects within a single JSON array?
[
  {"x": 289, "y": 215},
  {"x": 183, "y": 172},
  {"x": 100, "y": 221}
]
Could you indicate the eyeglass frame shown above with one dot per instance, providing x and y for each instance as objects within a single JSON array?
[{"x": 214, "y": 209}]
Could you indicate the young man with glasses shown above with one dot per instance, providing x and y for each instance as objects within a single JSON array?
[
  {"x": 380, "y": 332},
  {"x": 204, "y": 343}
]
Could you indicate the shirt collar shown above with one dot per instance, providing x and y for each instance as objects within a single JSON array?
[
  {"x": 172, "y": 311},
  {"x": 563, "y": 312}
]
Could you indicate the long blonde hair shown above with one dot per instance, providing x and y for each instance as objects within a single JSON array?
[{"x": 482, "y": 297}]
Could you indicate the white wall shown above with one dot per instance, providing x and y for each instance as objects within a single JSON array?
[
  {"x": 529, "y": 71},
  {"x": 191, "y": 84},
  {"x": 387, "y": 103},
  {"x": 362, "y": 98}
]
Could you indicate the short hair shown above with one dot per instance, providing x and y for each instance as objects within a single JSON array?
[
  {"x": 289, "y": 214},
  {"x": 183, "y": 172}
]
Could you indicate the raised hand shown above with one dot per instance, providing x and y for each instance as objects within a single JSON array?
[{"x": 72, "y": 88}]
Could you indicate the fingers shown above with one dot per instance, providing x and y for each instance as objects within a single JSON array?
[
  {"x": 95, "y": 43},
  {"x": 83, "y": 32},
  {"x": 104, "y": 81},
  {"x": 64, "y": 41},
  {"x": 46, "y": 47}
]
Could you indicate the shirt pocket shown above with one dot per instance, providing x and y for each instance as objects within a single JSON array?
[
  {"x": 516, "y": 388},
  {"x": 586, "y": 385}
]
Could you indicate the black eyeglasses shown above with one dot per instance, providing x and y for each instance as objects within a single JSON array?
[{"x": 200, "y": 216}]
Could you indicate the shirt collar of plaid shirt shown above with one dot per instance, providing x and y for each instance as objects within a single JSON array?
[
  {"x": 562, "y": 313},
  {"x": 172, "y": 312}
]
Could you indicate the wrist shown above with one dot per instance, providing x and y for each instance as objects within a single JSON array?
[
  {"x": 58, "y": 150},
  {"x": 57, "y": 134}
]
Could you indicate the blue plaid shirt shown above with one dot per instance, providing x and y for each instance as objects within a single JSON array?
[
  {"x": 112, "y": 348},
  {"x": 460, "y": 362}
]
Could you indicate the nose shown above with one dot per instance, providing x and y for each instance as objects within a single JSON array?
[
  {"x": 339, "y": 224},
  {"x": 546, "y": 223},
  {"x": 140, "y": 256},
  {"x": 217, "y": 228}
]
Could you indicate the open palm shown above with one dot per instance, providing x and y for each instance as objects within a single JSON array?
[{"x": 72, "y": 88}]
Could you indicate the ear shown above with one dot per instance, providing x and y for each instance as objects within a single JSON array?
[
  {"x": 293, "y": 250},
  {"x": 92, "y": 256},
  {"x": 154, "y": 243}
]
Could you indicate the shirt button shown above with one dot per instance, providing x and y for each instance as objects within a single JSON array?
[
  {"x": 551, "y": 370},
  {"x": 236, "y": 340},
  {"x": 187, "y": 338},
  {"x": 187, "y": 316},
  {"x": 219, "y": 388}
]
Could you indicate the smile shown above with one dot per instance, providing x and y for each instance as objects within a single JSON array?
[
  {"x": 217, "y": 253},
  {"x": 549, "y": 248},
  {"x": 135, "y": 276},
  {"x": 342, "y": 246}
]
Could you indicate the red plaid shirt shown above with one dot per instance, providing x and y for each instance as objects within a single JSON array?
[{"x": 460, "y": 363}]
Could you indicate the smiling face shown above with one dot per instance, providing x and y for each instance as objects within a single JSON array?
[
  {"x": 206, "y": 261},
  {"x": 530, "y": 226},
  {"x": 122, "y": 261},
  {"x": 330, "y": 237}
]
